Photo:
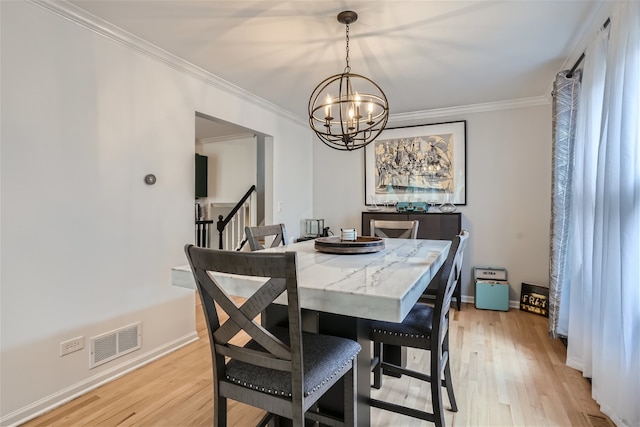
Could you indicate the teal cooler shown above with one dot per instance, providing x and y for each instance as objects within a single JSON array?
[{"x": 492, "y": 288}]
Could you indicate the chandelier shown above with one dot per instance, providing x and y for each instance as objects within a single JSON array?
[{"x": 347, "y": 111}]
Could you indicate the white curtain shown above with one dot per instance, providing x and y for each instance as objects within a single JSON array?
[{"x": 604, "y": 265}]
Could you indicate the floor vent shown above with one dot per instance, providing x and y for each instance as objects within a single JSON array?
[
  {"x": 114, "y": 344},
  {"x": 594, "y": 420}
]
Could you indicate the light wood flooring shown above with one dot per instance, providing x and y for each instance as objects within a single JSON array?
[{"x": 506, "y": 372}]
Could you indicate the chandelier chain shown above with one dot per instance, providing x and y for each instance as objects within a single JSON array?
[{"x": 347, "y": 69}]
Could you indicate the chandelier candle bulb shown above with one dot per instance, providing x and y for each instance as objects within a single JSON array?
[{"x": 328, "y": 108}]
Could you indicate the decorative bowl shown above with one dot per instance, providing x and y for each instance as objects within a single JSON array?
[{"x": 447, "y": 207}]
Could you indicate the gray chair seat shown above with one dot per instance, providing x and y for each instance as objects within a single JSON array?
[
  {"x": 320, "y": 365},
  {"x": 417, "y": 324}
]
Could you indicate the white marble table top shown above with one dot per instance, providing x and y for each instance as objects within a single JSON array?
[{"x": 383, "y": 285}]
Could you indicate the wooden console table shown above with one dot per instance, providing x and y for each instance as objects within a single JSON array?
[{"x": 439, "y": 226}]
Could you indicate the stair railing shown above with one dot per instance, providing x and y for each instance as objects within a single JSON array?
[{"x": 223, "y": 222}]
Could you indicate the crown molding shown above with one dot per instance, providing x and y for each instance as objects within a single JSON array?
[
  {"x": 584, "y": 37},
  {"x": 225, "y": 138},
  {"x": 99, "y": 26},
  {"x": 414, "y": 116}
]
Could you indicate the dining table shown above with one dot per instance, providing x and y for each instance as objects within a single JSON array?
[{"x": 340, "y": 293}]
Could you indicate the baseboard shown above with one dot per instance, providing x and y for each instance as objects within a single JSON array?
[
  {"x": 65, "y": 395},
  {"x": 466, "y": 299}
]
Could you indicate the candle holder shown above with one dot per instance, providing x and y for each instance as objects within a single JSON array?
[{"x": 314, "y": 227}]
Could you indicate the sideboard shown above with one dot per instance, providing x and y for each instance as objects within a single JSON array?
[{"x": 438, "y": 226}]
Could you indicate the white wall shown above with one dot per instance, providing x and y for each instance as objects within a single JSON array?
[
  {"x": 231, "y": 168},
  {"x": 508, "y": 191},
  {"x": 86, "y": 245}
]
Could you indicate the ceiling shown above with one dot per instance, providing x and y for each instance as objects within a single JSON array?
[{"x": 425, "y": 55}]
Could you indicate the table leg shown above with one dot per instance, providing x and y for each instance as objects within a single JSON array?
[{"x": 358, "y": 330}]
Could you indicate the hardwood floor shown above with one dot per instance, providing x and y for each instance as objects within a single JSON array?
[{"x": 506, "y": 372}]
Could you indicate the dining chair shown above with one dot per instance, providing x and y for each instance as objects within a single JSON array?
[
  {"x": 431, "y": 292},
  {"x": 283, "y": 371},
  {"x": 425, "y": 327},
  {"x": 256, "y": 235},
  {"x": 403, "y": 229},
  {"x": 396, "y": 229}
]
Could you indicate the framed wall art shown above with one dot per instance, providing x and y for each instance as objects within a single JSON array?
[{"x": 425, "y": 163}]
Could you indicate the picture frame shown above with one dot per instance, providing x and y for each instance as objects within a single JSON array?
[{"x": 422, "y": 163}]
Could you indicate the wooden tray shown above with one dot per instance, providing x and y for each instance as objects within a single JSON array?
[{"x": 362, "y": 245}]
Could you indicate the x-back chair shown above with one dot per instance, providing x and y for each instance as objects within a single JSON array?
[{"x": 281, "y": 370}]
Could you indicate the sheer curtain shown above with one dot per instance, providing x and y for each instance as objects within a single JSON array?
[
  {"x": 581, "y": 323},
  {"x": 604, "y": 262}
]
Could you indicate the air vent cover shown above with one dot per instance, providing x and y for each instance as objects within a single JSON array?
[{"x": 113, "y": 344}]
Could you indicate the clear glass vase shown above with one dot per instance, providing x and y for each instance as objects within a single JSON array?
[{"x": 447, "y": 206}]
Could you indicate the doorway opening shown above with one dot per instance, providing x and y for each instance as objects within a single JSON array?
[{"x": 237, "y": 159}]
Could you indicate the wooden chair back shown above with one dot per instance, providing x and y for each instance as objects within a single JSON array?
[
  {"x": 280, "y": 268},
  {"x": 256, "y": 236},
  {"x": 451, "y": 273},
  {"x": 396, "y": 229}
]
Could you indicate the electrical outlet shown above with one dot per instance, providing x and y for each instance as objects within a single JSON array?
[{"x": 71, "y": 345}]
